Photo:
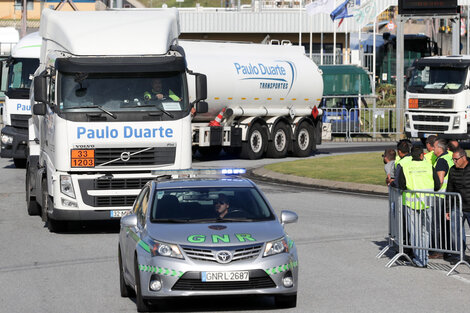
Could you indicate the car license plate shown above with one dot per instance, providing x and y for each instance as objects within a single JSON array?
[
  {"x": 118, "y": 213},
  {"x": 225, "y": 276}
]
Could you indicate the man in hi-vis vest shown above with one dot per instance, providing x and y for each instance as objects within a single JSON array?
[
  {"x": 418, "y": 175},
  {"x": 159, "y": 93}
]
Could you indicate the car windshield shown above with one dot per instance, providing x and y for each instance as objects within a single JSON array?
[
  {"x": 122, "y": 92},
  {"x": 426, "y": 79},
  {"x": 204, "y": 205}
]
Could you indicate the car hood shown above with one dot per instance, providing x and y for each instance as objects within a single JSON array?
[{"x": 216, "y": 234}]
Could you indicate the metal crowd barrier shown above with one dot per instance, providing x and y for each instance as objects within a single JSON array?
[
  {"x": 363, "y": 121},
  {"x": 425, "y": 221}
]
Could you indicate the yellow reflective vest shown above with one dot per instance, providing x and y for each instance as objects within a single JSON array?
[
  {"x": 448, "y": 157},
  {"x": 419, "y": 177}
]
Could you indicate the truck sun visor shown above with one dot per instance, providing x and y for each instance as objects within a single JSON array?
[{"x": 121, "y": 64}]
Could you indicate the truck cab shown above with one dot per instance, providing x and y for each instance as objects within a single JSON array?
[
  {"x": 437, "y": 98},
  {"x": 22, "y": 63}
]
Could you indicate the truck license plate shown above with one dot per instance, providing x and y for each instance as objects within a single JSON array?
[
  {"x": 118, "y": 213},
  {"x": 225, "y": 276}
]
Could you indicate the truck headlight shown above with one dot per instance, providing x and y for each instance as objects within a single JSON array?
[
  {"x": 276, "y": 247},
  {"x": 407, "y": 121},
  {"x": 165, "y": 249},
  {"x": 66, "y": 186},
  {"x": 7, "y": 140},
  {"x": 456, "y": 122}
]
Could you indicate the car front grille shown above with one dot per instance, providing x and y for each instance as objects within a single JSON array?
[
  {"x": 192, "y": 281},
  {"x": 136, "y": 156},
  {"x": 239, "y": 254}
]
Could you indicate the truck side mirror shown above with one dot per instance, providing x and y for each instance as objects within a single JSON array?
[
  {"x": 3, "y": 84},
  {"x": 202, "y": 107},
  {"x": 39, "y": 108},
  {"x": 201, "y": 87},
  {"x": 40, "y": 89}
]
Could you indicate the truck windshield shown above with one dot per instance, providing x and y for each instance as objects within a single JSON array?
[
  {"x": 19, "y": 71},
  {"x": 437, "y": 80},
  {"x": 122, "y": 92}
]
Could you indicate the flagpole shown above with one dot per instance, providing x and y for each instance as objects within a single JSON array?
[
  {"x": 310, "y": 28},
  {"x": 334, "y": 40},
  {"x": 321, "y": 41},
  {"x": 300, "y": 22}
]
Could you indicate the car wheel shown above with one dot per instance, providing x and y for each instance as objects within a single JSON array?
[
  {"x": 126, "y": 291},
  {"x": 277, "y": 148},
  {"x": 31, "y": 204},
  {"x": 286, "y": 301},
  {"x": 255, "y": 145},
  {"x": 303, "y": 143},
  {"x": 142, "y": 304}
]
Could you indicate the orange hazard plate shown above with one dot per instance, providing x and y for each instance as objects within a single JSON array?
[{"x": 82, "y": 158}]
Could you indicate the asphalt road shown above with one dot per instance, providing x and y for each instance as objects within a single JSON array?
[{"x": 338, "y": 236}]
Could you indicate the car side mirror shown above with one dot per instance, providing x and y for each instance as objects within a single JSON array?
[
  {"x": 40, "y": 89},
  {"x": 129, "y": 220},
  {"x": 288, "y": 217},
  {"x": 202, "y": 107}
]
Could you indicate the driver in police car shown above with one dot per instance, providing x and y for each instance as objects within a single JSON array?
[{"x": 221, "y": 206}]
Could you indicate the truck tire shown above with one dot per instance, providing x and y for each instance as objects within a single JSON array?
[
  {"x": 278, "y": 147},
  {"x": 19, "y": 163},
  {"x": 141, "y": 303},
  {"x": 255, "y": 146},
  {"x": 304, "y": 140},
  {"x": 54, "y": 226},
  {"x": 31, "y": 204}
]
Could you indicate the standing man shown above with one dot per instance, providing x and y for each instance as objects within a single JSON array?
[
  {"x": 418, "y": 175},
  {"x": 442, "y": 166},
  {"x": 389, "y": 167},
  {"x": 404, "y": 156},
  {"x": 430, "y": 156},
  {"x": 459, "y": 181}
]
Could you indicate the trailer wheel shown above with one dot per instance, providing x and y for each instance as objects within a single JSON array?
[
  {"x": 304, "y": 140},
  {"x": 255, "y": 146},
  {"x": 278, "y": 147},
  {"x": 19, "y": 163},
  {"x": 31, "y": 204}
]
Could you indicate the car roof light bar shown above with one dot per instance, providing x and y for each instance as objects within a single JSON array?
[{"x": 191, "y": 173}]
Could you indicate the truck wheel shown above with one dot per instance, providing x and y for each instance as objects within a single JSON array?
[
  {"x": 31, "y": 204},
  {"x": 277, "y": 148},
  {"x": 254, "y": 147},
  {"x": 142, "y": 304},
  {"x": 19, "y": 163},
  {"x": 286, "y": 301},
  {"x": 126, "y": 291},
  {"x": 54, "y": 226},
  {"x": 303, "y": 140}
]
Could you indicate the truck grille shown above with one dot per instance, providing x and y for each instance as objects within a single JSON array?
[
  {"x": 243, "y": 253},
  {"x": 192, "y": 281},
  {"x": 20, "y": 120},
  {"x": 113, "y": 201},
  {"x": 431, "y": 118},
  {"x": 137, "y": 156},
  {"x": 435, "y": 104},
  {"x": 121, "y": 183},
  {"x": 433, "y": 128}
]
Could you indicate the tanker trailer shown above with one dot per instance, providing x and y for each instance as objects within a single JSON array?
[{"x": 263, "y": 99}]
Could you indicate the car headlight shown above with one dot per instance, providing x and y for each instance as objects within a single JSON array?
[
  {"x": 66, "y": 186},
  {"x": 165, "y": 249},
  {"x": 7, "y": 140},
  {"x": 276, "y": 247}
]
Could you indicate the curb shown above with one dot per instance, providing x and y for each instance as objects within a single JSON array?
[{"x": 264, "y": 174}]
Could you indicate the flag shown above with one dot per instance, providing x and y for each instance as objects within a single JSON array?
[
  {"x": 320, "y": 6},
  {"x": 341, "y": 12}
]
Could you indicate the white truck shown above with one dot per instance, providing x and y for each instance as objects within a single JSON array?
[
  {"x": 438, "y": 98},
  {"x": 266, "y": 95},
  {"x": 95, "y": 137},
  {"x": 22, "y": 63}
]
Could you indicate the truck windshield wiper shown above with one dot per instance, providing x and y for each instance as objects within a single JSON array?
[
  {"x": 152, "y": 105},
  {"x": 94, "y": 106}
]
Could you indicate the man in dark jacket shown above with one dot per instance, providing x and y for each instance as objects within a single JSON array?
[{"x": 459, "y": 181}]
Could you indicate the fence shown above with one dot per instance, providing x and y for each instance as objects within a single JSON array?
[
  {"x": 425, "y": 221},
  {"x": 363, "y": 121}
]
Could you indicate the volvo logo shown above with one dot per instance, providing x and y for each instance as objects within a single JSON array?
[
  {"x": 223, "y": 256},
  {"x": 125, "y": 156}
]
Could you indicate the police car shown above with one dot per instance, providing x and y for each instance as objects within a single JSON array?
[{"x": 205, "y": 236}]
